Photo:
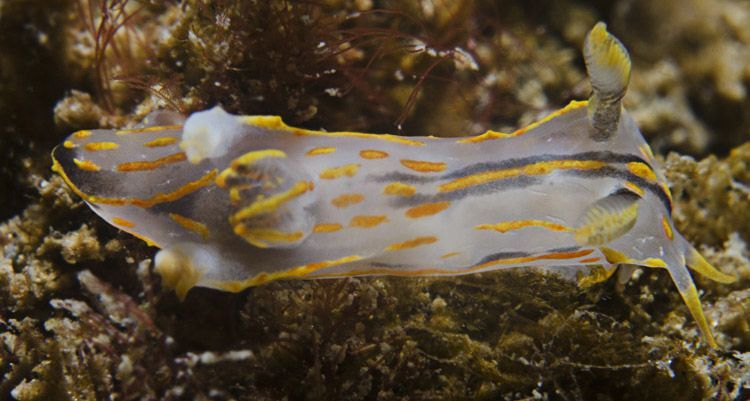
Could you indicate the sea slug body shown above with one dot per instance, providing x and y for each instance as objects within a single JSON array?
[{"x": 237, "y": 201}]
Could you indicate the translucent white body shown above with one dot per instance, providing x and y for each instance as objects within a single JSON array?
[
  {"x": 447, "y": 216},
  {"x": 235, "y": 201}
]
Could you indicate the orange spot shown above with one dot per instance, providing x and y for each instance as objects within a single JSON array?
[
  {"x": 367, "y": 221},
  {"x": 159, "y": 142},
  {"x": 634, "y": 188},
  {"x": 86, "y": 165},
  {"x": 242, "y": 166},
  {"x": 190, "y": 224},
  {"x": 590, "y": 260},
  {"x": 642, "y": 170},
  {"x": 399, "y": 189},
  {"x": 144, "y": 238},
  {"x": 382, "y": 137},
  {"x": 123, "y": 222},
  {"x": 646, "y": 151},
  {"x": 250, "y": 158},
  {"x": 97, "y": 146},
  {"x": 183, "y": 191},
  {"x": 534, "y": 258},
  {"x": 347, "y": 200},
  {"x": 423, "y": 167},
  {"x": 667, "y": 227},
  {"x": 372, "y": 154},
  {"x": 412, "y": 243},
  {"x": 261, "y": 237},
  {"x": 490, "y": 135},
  {"x": 442, "y": 271},
  {"x": 270, "y": 204},
  {"x": 348, "y": 170},
  {"x": 450, "y": 255},
  {"x": 383, "y": 271},
  {"x": 148, "y": 129},
  {"x": 327, "y": 228},
  {"x": 151, "y": 164},
  {"x": 178, "y": 193},
  {"x": 127, "y": 225},
  {"x": 427, "y": 209},
  {"x": 82, "y": 134},
  {"x": 300, "y": 271},
  {"x": 320, "y": 151},
  {"x": 666, "y": 190},
  {"x": 540, "y": 168},
  {"x": 565, "y": 255},
  {"x": 506, "y": 226},
  {"x": 69, "y": 145},
  {"x": 309, "y": 268}
]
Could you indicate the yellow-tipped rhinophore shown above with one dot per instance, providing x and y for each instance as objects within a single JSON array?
[
  {"x": 607, "y": 62},
  {"x": 608, "y": 66}
]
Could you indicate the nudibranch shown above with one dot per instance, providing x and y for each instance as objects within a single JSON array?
[{"x": 237, "y": 201}]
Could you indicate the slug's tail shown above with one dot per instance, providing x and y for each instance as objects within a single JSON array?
[{"x": 608, "y": 66}]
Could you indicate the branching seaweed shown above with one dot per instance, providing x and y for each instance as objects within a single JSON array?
[
  {"x": 103, "y": 19},
  {"x": 382, "y": 43}
]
